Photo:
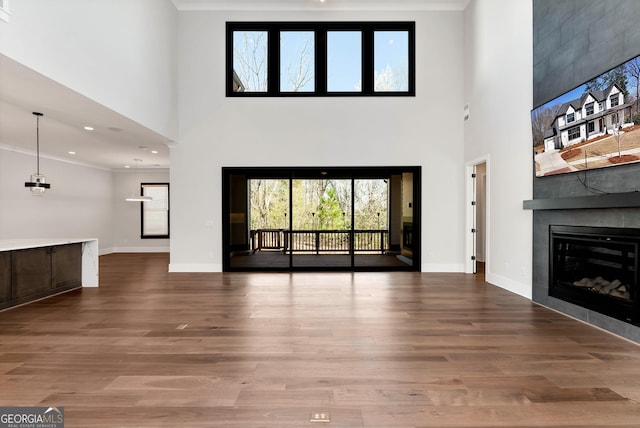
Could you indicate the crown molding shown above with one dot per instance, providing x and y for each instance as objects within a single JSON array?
[{"x": 317, "y": 5}]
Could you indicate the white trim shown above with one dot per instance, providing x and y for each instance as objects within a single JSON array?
[
  {"x": 105, "y": 251},
  {"x": 469, "y": 197},
  {"x": 443, "y": 267},
  {"x": 16, "y": 149},
  {"x": 195, "y": 267},
  {"x": 510, "y": 285},
  {"x": 21, "y": 150},
  {"x": 317, "y": 5}
]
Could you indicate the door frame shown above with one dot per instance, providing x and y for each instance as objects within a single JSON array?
[
  {"x": 353, "y": 173},
  {"x": 470, "y": 196}
]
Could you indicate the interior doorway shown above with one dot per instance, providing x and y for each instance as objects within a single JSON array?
[
  {"x": 477, "y": 216},
  {"x": 313, "y": 219},
  {"x": 481, "y": 217}
]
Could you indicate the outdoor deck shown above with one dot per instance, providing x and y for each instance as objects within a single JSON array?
[
  {"x": 282, "y": 249},
  {"x": 278, "y": 259}
]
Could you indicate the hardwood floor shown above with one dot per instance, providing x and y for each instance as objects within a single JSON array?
[{"x": 404, "y": 349}]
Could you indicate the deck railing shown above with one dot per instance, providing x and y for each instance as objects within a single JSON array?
[{"x": 320, "y": 241}]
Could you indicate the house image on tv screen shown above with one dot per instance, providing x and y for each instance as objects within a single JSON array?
[
  {"x": 593, "y": 114},
  {"x": 595, "y": 125}
]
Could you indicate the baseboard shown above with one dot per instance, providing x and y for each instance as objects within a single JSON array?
[
  {"x": 509, "y": 285},
  {"x": 105, "y": 251},
  {"x": 443, "y": 267},
  {"x": 195, "y": 267}
]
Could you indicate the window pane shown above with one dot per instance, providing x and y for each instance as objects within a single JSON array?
[
  {"x": 344, "y": 61},
  {"x": 155, "y": 213},
  {"x": 297, "y": 65},
  {"x": 155, "y": 223},
  {"x": 250, "y": 61},
  {"x": 391, "y": 61}
]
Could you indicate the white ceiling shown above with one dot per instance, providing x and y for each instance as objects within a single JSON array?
[{"x": 114, "y": 143}]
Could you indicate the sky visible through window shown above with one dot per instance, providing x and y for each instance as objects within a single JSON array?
[
  {"x": 297, "y": 61},
  {"x": 391, "y": 60},
  {"x": 344, "y": 60}
]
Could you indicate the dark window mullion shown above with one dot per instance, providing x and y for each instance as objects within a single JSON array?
[
  {"x": 229, "y": 59},
  {"x": 412, "y": 59},
  {"x": 367, "y": 61},
  {"x": 321, "y": 61},
  {"x": 273, "y": 67}
]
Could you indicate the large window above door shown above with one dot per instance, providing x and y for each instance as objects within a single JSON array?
[{"x": 320, "y": 59}]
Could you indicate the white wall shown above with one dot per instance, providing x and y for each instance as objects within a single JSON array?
[
  {"x": 498, "y": 88},
  {"x": 119, "y": 53},
  {"x": 216, "y": 131},
  {"x": 83, "y": 202},
  {"x": 78, "y": 205},
  {"x": 126, "y": 234}
]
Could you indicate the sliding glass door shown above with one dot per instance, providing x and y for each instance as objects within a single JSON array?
[{"x": 320, "y": 219}]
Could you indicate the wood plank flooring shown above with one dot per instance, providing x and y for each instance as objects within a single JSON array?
[{"x": 404, "y": 349}]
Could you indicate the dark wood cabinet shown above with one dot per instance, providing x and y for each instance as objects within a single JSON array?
[
  {"x": 66, "y": 266},
  {"x": 5, "y": 276},
  {"x": 32, "y": 273}
]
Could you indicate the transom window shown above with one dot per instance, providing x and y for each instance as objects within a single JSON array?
[{"x": 320, "y": 59}]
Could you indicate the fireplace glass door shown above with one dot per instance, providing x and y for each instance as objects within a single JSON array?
[{"x": 596, "y": 268}]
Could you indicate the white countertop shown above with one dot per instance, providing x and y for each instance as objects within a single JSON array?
[{"x": 21, "y": 244}]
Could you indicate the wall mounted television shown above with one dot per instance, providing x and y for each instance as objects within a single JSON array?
[{"x": 595, "y": 125}]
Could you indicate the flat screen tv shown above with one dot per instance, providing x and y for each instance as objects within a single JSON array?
[{"x": 595, "y": 125}]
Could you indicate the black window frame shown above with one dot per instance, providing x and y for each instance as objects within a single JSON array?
[
  {"x": 320, "y": 30},
  {"x": 615, "y": 97},
  {"x": 572, "y": 116},
  {"x": 142, "y": 235},
  {"x": 589, "y": 109},
  {"x": 575, "y": 131}
]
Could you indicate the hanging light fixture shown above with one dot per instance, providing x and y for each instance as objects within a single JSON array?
[
  {"x": 38, "y": 183},
  {"x": 135, "y": 197}
]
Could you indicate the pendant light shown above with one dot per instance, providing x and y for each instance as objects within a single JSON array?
[
  {"x": 38, "y": 183},
  {"x": 134, "y": 197}
]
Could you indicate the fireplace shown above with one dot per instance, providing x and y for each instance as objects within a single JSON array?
[{"x": 596, "y": 268}]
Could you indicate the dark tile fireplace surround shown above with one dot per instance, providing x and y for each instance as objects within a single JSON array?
[{"x": 565, "y": 201}]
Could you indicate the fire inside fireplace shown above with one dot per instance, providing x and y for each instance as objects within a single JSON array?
[{"x": 596, "y": 268}]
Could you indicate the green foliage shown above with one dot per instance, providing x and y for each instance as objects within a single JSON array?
[
  {"x": 329, "y": 215},
  {"x": 617, "y": 75},
  {"x": 318, "y": 204}
]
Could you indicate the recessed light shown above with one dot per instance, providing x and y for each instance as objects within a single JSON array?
[
  {"x": 127, "y": 166},
  {"x": 72, "y": 153},
  {"x": 155, "y": 152},
  {"x": 143, "y": 147},
  {"x": 88, "y": 128}
]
